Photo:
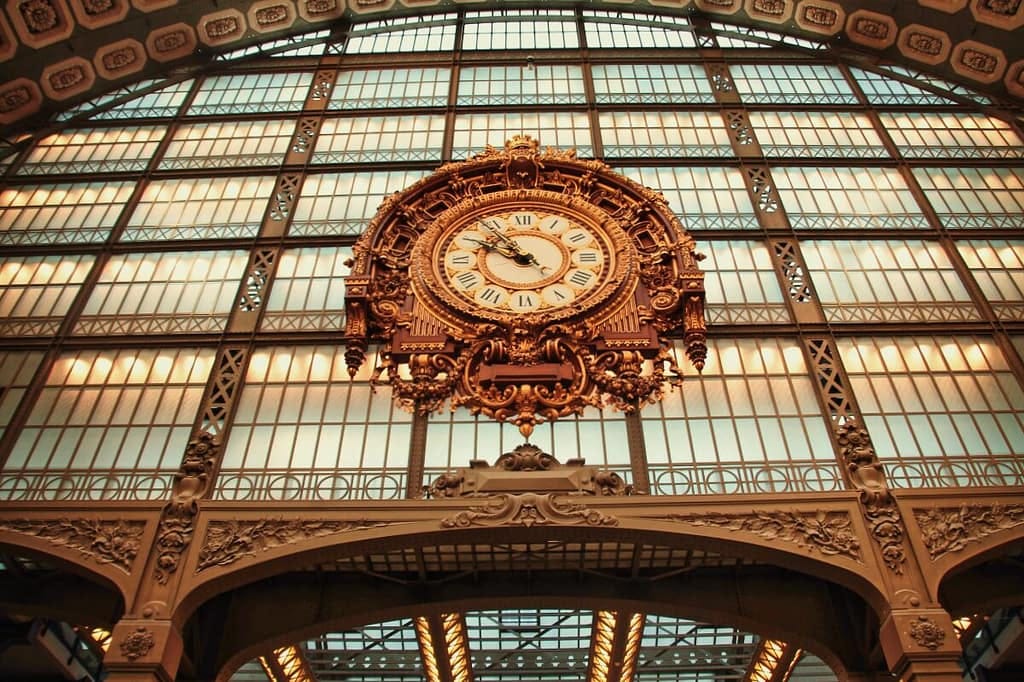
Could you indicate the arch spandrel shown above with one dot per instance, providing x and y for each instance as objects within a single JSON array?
[{"x": 824, "y": 542}]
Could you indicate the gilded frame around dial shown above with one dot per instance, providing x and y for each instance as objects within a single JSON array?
[{"x": 521, "y": 253}]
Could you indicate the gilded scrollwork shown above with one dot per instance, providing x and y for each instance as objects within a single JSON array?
[
  {"x": 830, "y": 533},
  {"x": 549, "y": 359},
  {"x": 529, "y": 509}
]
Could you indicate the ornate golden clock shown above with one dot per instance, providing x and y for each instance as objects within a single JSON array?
[
  {"x": 521, "y": 255},
  {"x": 525, "y": 285}
]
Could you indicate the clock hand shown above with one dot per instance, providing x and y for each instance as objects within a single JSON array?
[
  {"x": 503, "y": 250},
  {"x": 520, "y": 256}
]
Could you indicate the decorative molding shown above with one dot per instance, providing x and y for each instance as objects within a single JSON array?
[
  {"x": 830, "y": 533},
  {"x": 529, "y": 509},
  {"x": 177, "y": 524},
  {"x": 821, "y": 16},
  {"x": 120, "y": 59},
  {"x": 879, "y": 507},
  {"x": 229, "y": 541},
  {"x": 137, "y": 644},
  {"x": 927, "y": 633},
  {"x": 924, "y": 44},
  {"x": 951, "y": 529},
  {"x": 68, "y": 78},
  {"x": 978, "y": 61},
  {"x": 872, "y": 29},
  {"x": 106, "y": 542}
]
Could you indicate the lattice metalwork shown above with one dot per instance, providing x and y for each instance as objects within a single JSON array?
[
  {"x": 793, "y": 84},
  {"x": 526, "y": 29},
  {"x": 108, "y": 425},
  {"x": 308, "y": 292},
  {"x": 527, "y": 83},
  {"x": 37, "y": 291},
  {"x": 282, "y": 203},
  {"x": 748, "y": 423},
  {"x": 763, "y": 189},
  {"x": 711, "y": 198},
  {"x": 831, "y": 383},
  {"x": 881, "y": 89},
  {"x": 847, "y": 197},
  {"x": 741, "y": 284},
  {"x": 228, "y": 144},
  {"x": 257, "y": 276},
  {"x": 403, "y": 34},
  {"x": 389, "y": 649},
  {"x": 391, "y": 88},
  {"x": 967, "y": 198},
  {"x": 251, "y": 93},
  {"x": 997, "y": 265},
  {"x": 952, "y": 136},
  {"x": 473, "y": 132},
  {"x": 143, "y": 99},
  {"x": 304, "y": 430},
  {"x": 942, "y": 410},
  {"x": 817, "y": 135},
  {"x": 64, "y": 213},
  {"x": 529, "y": 644},
  {"x": 663, "y": 134},
  {"x": 608, "y": 30},
  {"x": 343, "y": 203},
  {"x": 223, "y": 389},
  {"x": 94, "y": 150},
  {"x": 651, "y": 84},
  {"x": 163, "y": 293},
  {"x": 794, "y": 272},
  {"x": 887, "y": 281},
  {"x": 199, "y": 208},
  {"x": 675, "y": 649}
]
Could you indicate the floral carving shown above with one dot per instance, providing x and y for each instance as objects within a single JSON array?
[
  {"x": 119, "y": 59},
  {"x": 66, "y": 78},
  {"x": 1006, "y": 8},
  {"x": 927, "y": 633},
  {"x": 15, "y": 98},
  {"x": 275, "y": 14},
  {"x": 769, "y": 7},
  {"x": 315, "y": 7},
  {"x": 97, "y": 7},
  {"x": 169, "y": 42},
  {"x": 879, "y": 506},
  {"x": 40, "y": 16},
  {"x": 529, "y": 509},
  {"x": 526, "y": 457},
  {"x": 820, "y": 16},
  {"x": 829, "y": 533},
  {"x": 137, "y": 644},
  {"x": 951, "y": 530},
  {"x": 229, "y": 541},
  {"x": 107, "y": 542},
  {"x": 220, "y": 28}
]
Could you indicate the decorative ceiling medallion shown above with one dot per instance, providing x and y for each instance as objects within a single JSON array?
[
  {"x": 978, "y": 61},
  {"x": 1004, "y": 14},
  {"x": 775, "y": 11},
  {"x": 871, "y": 29},
  {"x": 19, "y": 98},
  {"x": 321, "y": 10},
  {"x": 222, "y": 27},
  {"x": 98, "y": 13},
  {"x": 821, "y": 16},
  {"x": 39, "y": 23},
  {"x": 271, "y": 15},
  {"x": 152, "y": 5},
  {"x": 525, "y": 285},
  {"x": 924, "y": 44},
  {"x": 8, "y": 43},
  {"x": 367, "y": 6},
  {"x": 68, "y": 78},
  {"x": 1015, "y": 79},
  {"x": 949, "y": 6},
  {"x": 720, "y": 6},
  {"x": 171, "y": 42},
  {"x": 120, "y": 59}
]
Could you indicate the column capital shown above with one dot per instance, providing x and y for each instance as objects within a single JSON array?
[
  {"x": 143, "y": 650},
  {"x": 920, "y": 645}
]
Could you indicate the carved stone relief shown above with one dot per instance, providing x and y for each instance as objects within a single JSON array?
[
  {"x": 529, "y": 509},
  {"x": 948, "y": 530},
  {"x": 106, "y": 542},
  {"x": 927, "y": 633},
  {"x": 830, "y": 533},
  {"x": 229, "y": 541},
  {"x": 137, "y": 644}
]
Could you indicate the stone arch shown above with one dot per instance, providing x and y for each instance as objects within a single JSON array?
[{"x": 244, "y": 600}]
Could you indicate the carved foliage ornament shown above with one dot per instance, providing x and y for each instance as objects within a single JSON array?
[
  {"x": 927, "y": 633},
  {"x": 829, "y": 533},
  {"x": 525, "y": 285},
  {"x": 137, "y": 644},
  {"x": 107, "y": 542},
  {"x": 229, "y": 541},
  {"x": 951, "y": 530},
  {"x": 178, "y": 521}
]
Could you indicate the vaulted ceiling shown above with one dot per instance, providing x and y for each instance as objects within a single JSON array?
[{"x": 56, "y": 53}]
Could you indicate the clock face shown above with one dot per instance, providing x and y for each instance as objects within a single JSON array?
[{"x": 524, "y": 260}]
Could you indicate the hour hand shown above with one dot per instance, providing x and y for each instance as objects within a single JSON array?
[{"x": 491, "y": 246}]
